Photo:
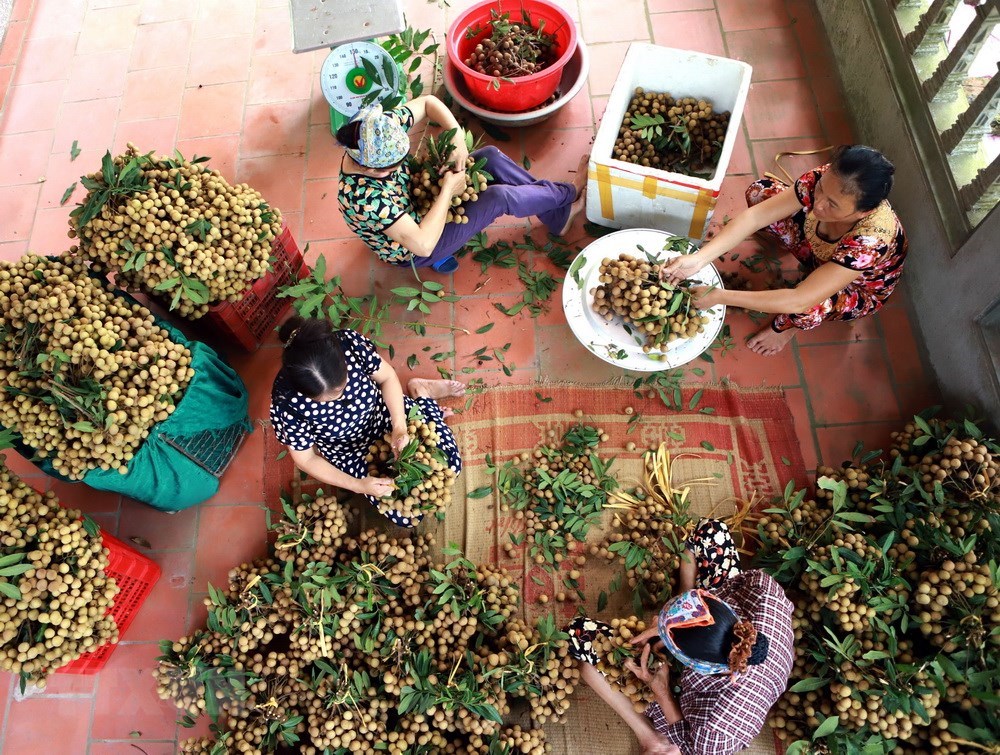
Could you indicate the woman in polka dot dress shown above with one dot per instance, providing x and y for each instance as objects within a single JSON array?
[{"x": 334, "y": 397}]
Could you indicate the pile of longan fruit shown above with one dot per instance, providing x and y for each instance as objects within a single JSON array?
[
  {"x": 432, "y": 494},
  {"x": 512, "y": 50},
  {"x": 631, "y": 289},
  {"x": 65, "y": 595},
  {"x": 343, "y": 689},
  {"x": 612, "y": 663},
  {"x": 706, "y": 128},
  {"x": 93, "y": 372},
  {"x": 189, "y": 224},
  {"x": 425, "y": 185}
]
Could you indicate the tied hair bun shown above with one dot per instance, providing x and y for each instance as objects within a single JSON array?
[
  {"x": 760, "y": 650},
  {"x": 744, "y": 644}
]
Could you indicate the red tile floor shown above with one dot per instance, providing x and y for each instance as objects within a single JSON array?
[{"x": 215, "y": 77}]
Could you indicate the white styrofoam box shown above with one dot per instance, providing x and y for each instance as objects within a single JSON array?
[{"x": 626, "y": 195}]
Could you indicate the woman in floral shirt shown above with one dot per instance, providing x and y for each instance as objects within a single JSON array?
[
  {"x": 837, "y": 214},
  {"x": 374, "y": 192}
]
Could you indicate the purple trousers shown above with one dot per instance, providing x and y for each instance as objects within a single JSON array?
[{"x": 514, "y": 191}]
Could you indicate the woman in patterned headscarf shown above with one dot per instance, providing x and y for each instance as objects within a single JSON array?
[
  {"x": 731, "y": 630},
  {"x": 374, "y": 193},
  {"x": 841, "y": 228}
]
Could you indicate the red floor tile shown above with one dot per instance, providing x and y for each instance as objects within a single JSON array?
[
  {"x": 279, "y": 178},
  {"x": 740, "y": 161},
  {"x": 276, "y": 128},
  {"x": 555, "y": 155},
  {"x": 19, "y": 203},
  {"x": 848, "y": 382},
  {"x": 224, "y": 151},
  {"x": 243, "y": 481},
  {"x": 211, "y": 110},
  {"x": 6, "y": 74},
  {"x": 99, "y": 74},
  {"x": 605, "y": 62},
  {"x": 771, "y": 52},
  {"x": 12, "y": 42},
  {"x": 744, "y": 367},
  {"x": 228, "y": 536},
  {"x": 752, "y": 14},
  {"x": 163, "y": 44},
  {"x": 351, "y": 259},
  {"x": 108, "y": 29},
  {"x": 162, "y": 530},
  {"x": 164, "y": 614},
  {"x": 279, "y": 77},
  {"x": 900, "y": 341},
  {"x": 32, "y": 107},
  {"x": 61, "y": 173},
  {"x": 153, "y": 93},
  {"x": 836, "y": 444},
  {"x": 223, "y": 18},
  {"x": 70, "y": 684},
  {"x": 865, "y": 329},
  {"x": 50, "y": 725},
  {"x": 78, "y": 495},
  {"x": 90, "y": 123},
  {"x": 156, "y": 134},
  {"x": 917, "y": 395},
  {"x": 128, "y": 747},
  {"x": 156, "y": 11},
  {"x": 225, "y": 61},
  {"x": 777, "y": 109},
  {"x": 665, "y": 6},
  {"x": 622, "y": 21},
  {"x": 577, "y": 113},
  {"x": 126, "y": 699},
  {"x": 324, "y": 155},
  {"x": 273, "y": 31},
  {"x": 518, "y": 331},
  {"x": 49, "y": 19},
  {"x": 323, "y": 219},
  {"x": 50, "y": 232},
  {"x": 812, "y": 38},
  {"x": 25, "y": 156},
  {"x": 796, "y": 399},
  {"x": 561, "y": 357},
  {"x": 693, "y": 30},
  {"x": 46, "y": 58}
]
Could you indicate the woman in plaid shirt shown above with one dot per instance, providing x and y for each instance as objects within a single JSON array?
[{"x": 732, "y": 631}]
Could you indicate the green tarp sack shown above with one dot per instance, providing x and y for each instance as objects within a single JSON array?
[{"x": 214, "y": 405}]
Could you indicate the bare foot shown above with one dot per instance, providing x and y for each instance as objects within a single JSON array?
[
  {"x": 580, "y": 184},
  {"x": 767, "y": 342},
  {"x": 424, "y": 388},
  {"x": 657, "y": 744}
]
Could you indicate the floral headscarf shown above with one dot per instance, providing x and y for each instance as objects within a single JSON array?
[
  {"x": 382, "y": 141},
  {"x": 690, "y": 609}
]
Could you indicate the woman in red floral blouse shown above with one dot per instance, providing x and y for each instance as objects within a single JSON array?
[{"x": 837, "y": 214}]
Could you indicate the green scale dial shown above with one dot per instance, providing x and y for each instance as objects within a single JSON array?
[{"x": 353, "y": 72}]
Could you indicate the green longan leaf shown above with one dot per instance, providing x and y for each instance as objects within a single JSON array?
[
  {"x": 480, "y": 492},
  {"x": 827, "y": 727},
  {"x": 486, "y": 328},
  {"x": 68, "y": 193}
]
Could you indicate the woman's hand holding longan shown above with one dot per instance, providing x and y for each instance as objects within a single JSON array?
[
  {"x": 453, "y": 184},
  {"x": 376, "y": 487},
  {"x": 681, "y": 268}
]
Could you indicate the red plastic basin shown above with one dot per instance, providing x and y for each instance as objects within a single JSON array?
[{"x": 523, "y": 92}]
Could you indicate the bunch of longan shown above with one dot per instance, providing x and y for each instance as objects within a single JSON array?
[
  {"x": 426, "y": 175},
  {"x": 613, "y": 650},
  {"x": 65, "y": 593},
  {"x": 88, "y": 373},
  {"x": 182, "y": 232},
  {"x": 631, "y": 289},
  {"x": 423, "y": 478},
  {"x": 687, "y": 137},
  {"x": 512, "y": 49}
]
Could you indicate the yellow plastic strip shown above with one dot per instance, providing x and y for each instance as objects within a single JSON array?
[
  {"x": 705, "y": 203},
  {"x": 604, "y": 183},
  {"x": 649, "y": 186}
]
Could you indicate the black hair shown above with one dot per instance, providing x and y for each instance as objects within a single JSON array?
[
  {"x": 867, "y": 173},
  {"x": 713, "y": 643},
  {"x": 313, "y": 360},
  {"x": 349, "y": 135}
]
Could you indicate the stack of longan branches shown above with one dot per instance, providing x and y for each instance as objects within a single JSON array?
[
  {"x": 428, "y": 167},
  {"x": 655, "y": 310},
  {"x": 54, "y": 591},
  {"x": 86, "y": 373},
  {"x": 362, "y": 644},
  {"x": 173, "y": 227},
  {"x": 559, "y": 491},
  {"x": 423, "y": 478},
  {"x": 893, "y": 569},
  {"x": 683, "y": 135}
]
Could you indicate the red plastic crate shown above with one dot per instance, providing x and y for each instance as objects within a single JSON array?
[
  {"x": 135, "y": 575},
  {"x": 248, "y": 321}
]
